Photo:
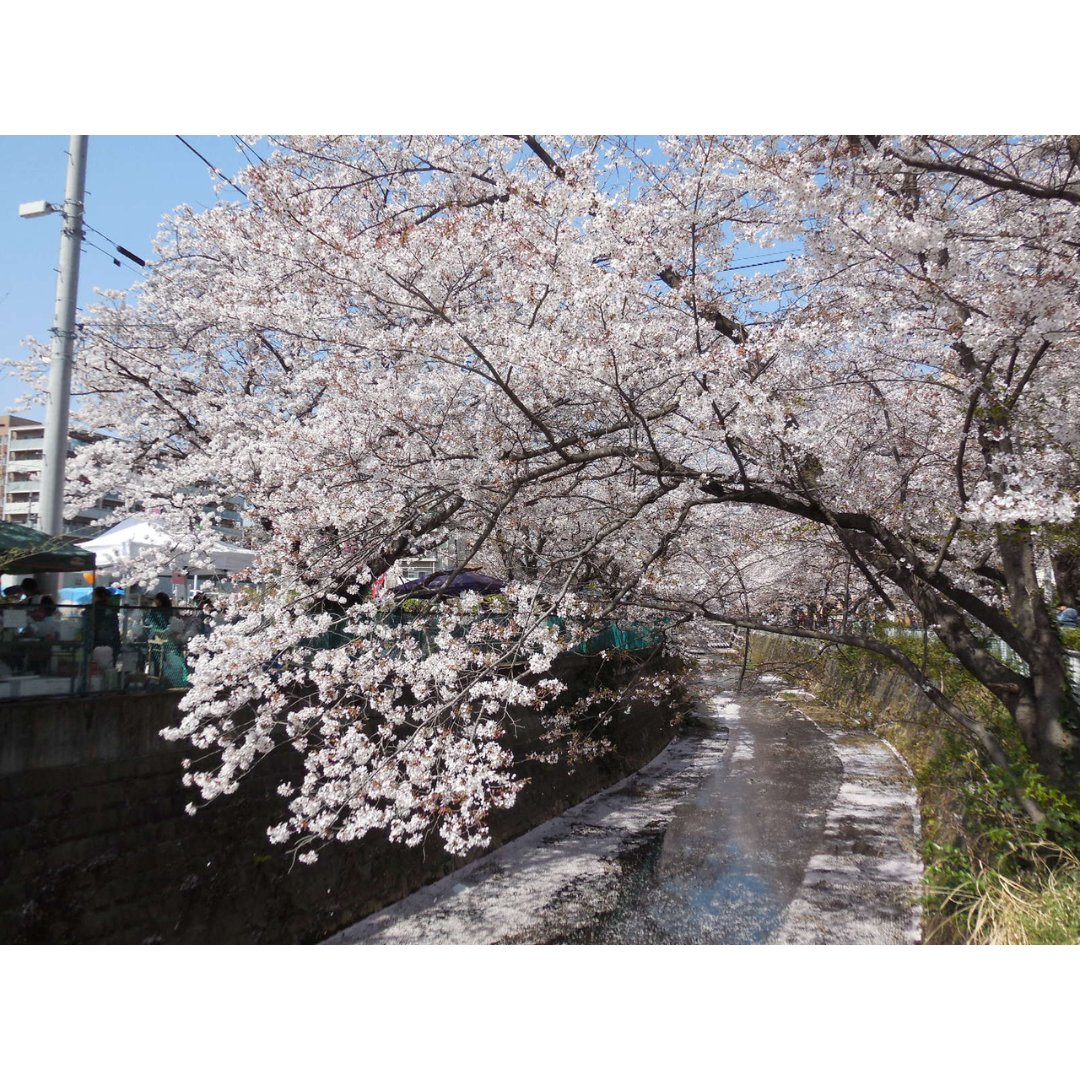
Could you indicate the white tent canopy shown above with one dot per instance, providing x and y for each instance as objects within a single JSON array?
[{"x": 138, "y": 534}]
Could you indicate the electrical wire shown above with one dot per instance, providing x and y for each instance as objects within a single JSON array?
[
  {"x": 129, "y": 255},
  {"x": 768, "y": 262},
  {"x": 246, "y": 149},
  {"x": 99, "y": 233},
  {"x": 770, "y": 254},
  {"x": 108, "y": 254},
  {"x": 211, "y": 166}
]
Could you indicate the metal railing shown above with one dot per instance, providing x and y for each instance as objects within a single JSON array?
[
  {"x": 994, "y": 645},
  {"x": 1072, "y": 670},
  {"x": 149, "y": 652},
  {"x": 85, "y": 649},
  {"x": 424, "y": 627},
  {"x": 125, "y": 649}
]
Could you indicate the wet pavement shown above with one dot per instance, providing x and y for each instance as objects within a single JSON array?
[{"x": 757, "y": 825}]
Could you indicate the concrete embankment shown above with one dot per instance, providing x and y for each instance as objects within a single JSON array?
[
  {"x": 96, "y": 847},
  {"x": 875, "y": 825},
  {"x": 871, "y": 689}
]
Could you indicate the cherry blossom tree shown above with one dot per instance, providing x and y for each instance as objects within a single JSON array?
[
  {"x": 938, "y": 303},
  {"x": 547, "y": 349}
]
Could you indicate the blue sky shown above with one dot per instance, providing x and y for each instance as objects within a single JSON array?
[{"x": 131, "y": 182}]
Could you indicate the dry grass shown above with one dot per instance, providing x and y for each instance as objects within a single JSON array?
[{"x": 991, "y": 908}]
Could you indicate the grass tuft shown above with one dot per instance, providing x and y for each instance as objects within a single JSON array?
[{"x": 1040, "y": 906}]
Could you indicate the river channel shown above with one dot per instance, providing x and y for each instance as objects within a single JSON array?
[{"x": 755, "y": 825}]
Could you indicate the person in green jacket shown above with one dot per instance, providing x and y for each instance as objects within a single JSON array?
[{"x": 162, "y": 634}]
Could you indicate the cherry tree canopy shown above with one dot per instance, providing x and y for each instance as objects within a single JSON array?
[{"x": 546, "y": 348}]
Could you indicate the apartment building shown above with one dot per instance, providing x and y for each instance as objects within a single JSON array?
[{"x": 22, "y": 449}]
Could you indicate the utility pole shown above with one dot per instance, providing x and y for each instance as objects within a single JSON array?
[{"x": 58, "y": 407}]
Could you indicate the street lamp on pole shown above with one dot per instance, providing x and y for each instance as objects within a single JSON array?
[{"x": 58, "y": 407}]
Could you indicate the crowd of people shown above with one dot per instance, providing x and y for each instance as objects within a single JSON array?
[
  {"x": 158, "y": 631},
  {"x": 154, "y": 629}
]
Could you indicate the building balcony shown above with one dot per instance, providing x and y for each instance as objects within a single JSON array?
[
  {"x": 82, "y": 532},
  {"x": 96, "y": 511}
]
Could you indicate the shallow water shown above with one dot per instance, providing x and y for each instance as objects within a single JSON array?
[{"x": 731, "y": 859}]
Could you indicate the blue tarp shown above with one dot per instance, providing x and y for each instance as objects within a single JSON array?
[{"x": 80, "y": 594}]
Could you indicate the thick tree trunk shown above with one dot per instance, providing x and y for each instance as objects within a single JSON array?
[
  {"x": 1037, "y": 711},
  {"x": 1039, "y": 706},
  {"x": 1067, "y": 575}
]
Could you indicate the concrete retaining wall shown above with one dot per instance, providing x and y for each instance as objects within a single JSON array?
[
  {"x": 95, "y": 846},
  {"x": 872, "y": 685}
]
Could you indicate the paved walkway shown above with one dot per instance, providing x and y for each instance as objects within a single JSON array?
[
  {"x": 863, "y": 887},
  {"x": 758, "y": 826}
]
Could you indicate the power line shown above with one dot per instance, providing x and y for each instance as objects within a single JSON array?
[
  {"x": 211, "y": 166},
  {"x": 108, "y": 254},
  {"x": 99, "y": 233},
  {"x": 768, "y": 262},
  {"x": 90, "y": 243},
  {"x": 121, "y": 249},
  {"x": 781, "y": 251},
  {"x": 247, "y": 149}
]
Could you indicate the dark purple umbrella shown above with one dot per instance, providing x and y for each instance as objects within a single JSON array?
[{"x": 464, "y": 581}]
